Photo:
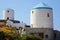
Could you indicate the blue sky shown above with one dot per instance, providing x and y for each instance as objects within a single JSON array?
[{"x": 22, "y": 9}]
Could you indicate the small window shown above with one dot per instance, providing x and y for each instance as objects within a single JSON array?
[
  {"x": 48, "y": 15},
  {"x": 7, "y": 18},
  {"x": 8, "y": 11},
  {"x": 32, "y": 12},
  {"x": 24, "y": 30},
  {"x": 55, "y": 35},
  {"x": 46, "y": 36},
  {"x": 41, "y": 35}
]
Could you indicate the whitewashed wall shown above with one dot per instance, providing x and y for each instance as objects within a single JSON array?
[
  {"x": 39, "y": 18},
  {"x": 17, "y": 25},
  {"x": 9, "y": 14}
]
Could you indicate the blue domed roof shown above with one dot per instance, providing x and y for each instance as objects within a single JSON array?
[{"x": 42, "y": 6}]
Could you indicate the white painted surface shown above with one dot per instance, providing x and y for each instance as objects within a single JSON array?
[
  {"x": 39, "y": 18},
  {"x": 9, "y": 14},
  {"x": 17, "y": 25},
  {"x": 9, "y": 22}
]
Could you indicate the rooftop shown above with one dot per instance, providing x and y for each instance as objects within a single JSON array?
[{"x": 42, "y": 6}]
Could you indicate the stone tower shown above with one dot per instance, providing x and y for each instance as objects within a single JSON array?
[{"x": 42, "y": 18}]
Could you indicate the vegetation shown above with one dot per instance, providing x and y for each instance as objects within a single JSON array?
[
  {"x": 30, "y": 37},
  {"x": 1, "y": 35},
  {"x": 7, "y": 32}
]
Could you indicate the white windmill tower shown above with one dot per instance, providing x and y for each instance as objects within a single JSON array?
[
  {"x": 42, "y": 18},
  {"x": 8, "y": 14}
]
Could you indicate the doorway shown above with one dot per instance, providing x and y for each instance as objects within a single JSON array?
[{"x": 41, "y": 35}]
